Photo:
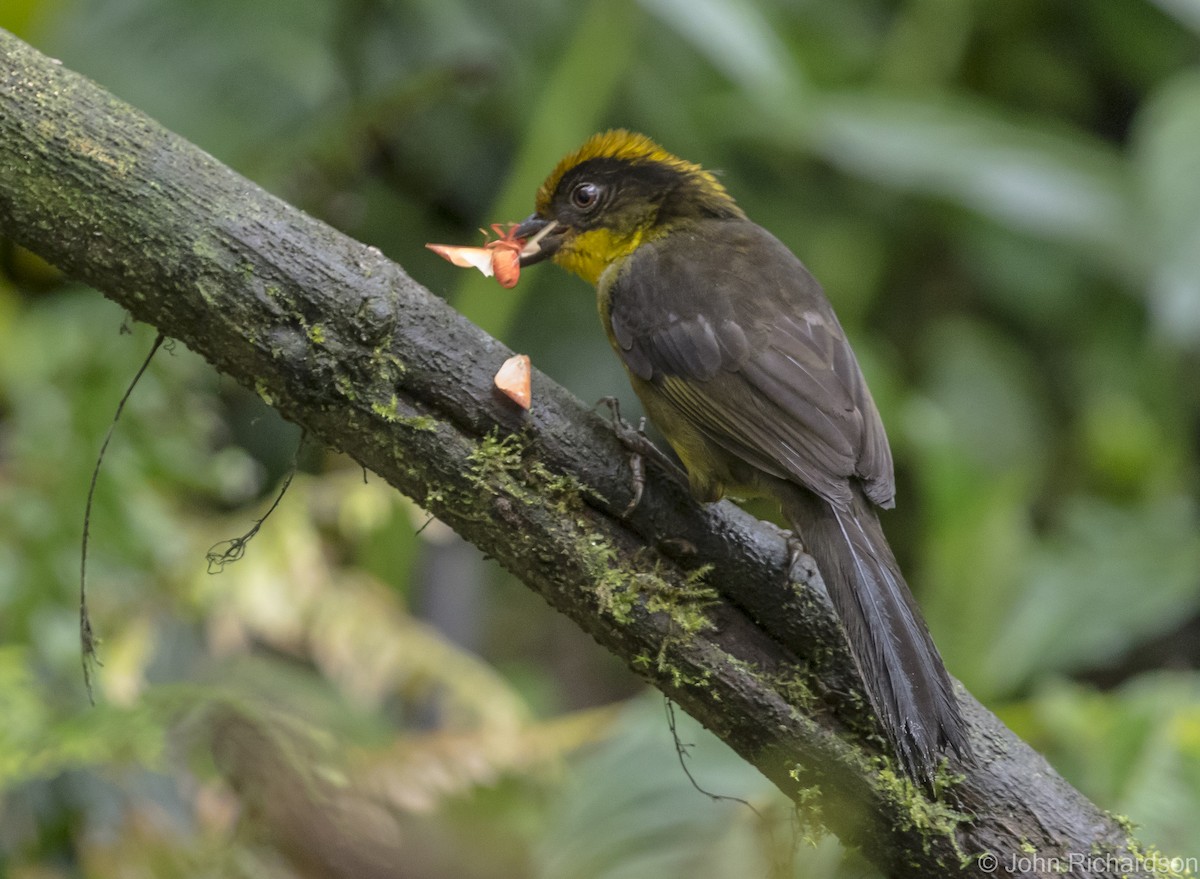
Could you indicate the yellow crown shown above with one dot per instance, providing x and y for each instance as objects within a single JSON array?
[{"x": 622, "y": 145}]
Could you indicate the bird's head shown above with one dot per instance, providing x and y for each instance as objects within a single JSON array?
[{"x": 617, "y": 191}]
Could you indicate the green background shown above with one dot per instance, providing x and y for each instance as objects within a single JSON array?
[{"x": 1003, "y": 202}]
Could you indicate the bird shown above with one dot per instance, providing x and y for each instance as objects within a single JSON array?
[{"x": 738, "y": 359}]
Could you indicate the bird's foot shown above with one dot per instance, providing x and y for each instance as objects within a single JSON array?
[
  {"x": 802, "y": 567},
  {"x": 640, "y": 447}
]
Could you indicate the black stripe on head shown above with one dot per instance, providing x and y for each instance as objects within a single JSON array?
[{"x": 637, "y": 192}]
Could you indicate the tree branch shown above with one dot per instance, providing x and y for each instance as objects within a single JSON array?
[{"x": 342, "y": 341}]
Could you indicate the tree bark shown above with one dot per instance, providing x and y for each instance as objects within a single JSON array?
[{"x": 340, "y": 340}]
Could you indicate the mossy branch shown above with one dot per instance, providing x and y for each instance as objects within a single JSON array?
[{"x": 340, "y": 340}]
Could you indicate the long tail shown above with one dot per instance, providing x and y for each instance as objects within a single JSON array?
[{"x": 905, "y": 679}]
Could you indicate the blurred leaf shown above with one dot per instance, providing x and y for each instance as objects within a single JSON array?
[
  {"x": 1186, "y": 12},
  {"x": 629, "y": 811},
  {"x": 1037, "y": 287},
  {"x": 1167, "y": 166},
  {"x": 1063, "y": 186},
  {"x": 927, "y": 42},
  {"x": 37, "y": 743},
  {"x": 1112, "y": 578},
  {"x": 986, "y": 387},
  {"x": 215, "y": 65},
  {"x": 286, "y": 594},
  {"x": 419, "y": 773},
  {"x": 1124, "y": 444},
  {"x": 737, "y": 39},
  {"x": 21, "y": 17},
  {"x": 975, "y": 542},
  {"x": 1136, "y": 751},
  {"x": 62, "y": 371}
]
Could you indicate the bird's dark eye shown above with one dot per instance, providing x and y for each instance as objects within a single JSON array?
[{"x": 585, "y": 195}]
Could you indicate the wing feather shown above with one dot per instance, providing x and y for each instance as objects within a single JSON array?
[{"x": 762, "y": 370}]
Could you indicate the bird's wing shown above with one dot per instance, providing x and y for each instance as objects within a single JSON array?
[{"x": 728, "y": 324}]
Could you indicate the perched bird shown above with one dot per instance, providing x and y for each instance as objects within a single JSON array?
[{"x": 737, "y": 357}]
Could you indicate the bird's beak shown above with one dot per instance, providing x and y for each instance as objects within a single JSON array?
[{"x": 542, "y": 238}]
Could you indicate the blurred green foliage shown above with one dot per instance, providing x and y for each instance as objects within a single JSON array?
[{"x": 1003, "y": 202}]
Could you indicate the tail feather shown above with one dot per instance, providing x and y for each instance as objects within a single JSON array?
[{"x": 905, "y": 679}]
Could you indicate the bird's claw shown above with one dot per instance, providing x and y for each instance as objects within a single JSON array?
[
  {"x": 802, "y": 567},
  {"x": 640, "y": 447}
]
